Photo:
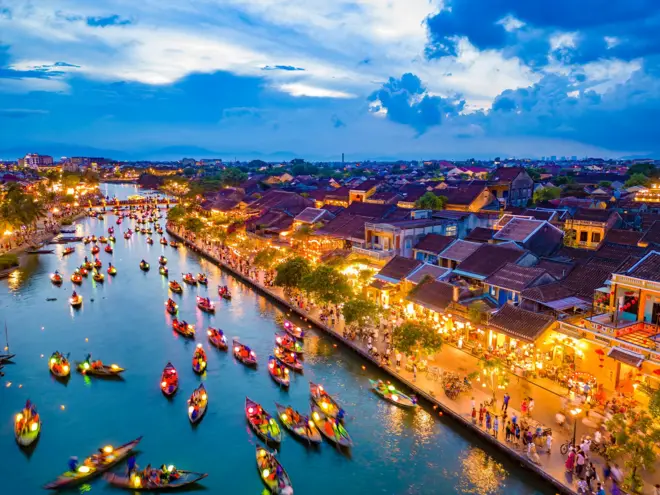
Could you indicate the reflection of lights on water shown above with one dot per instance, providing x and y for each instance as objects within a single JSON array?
[
  {"x": 14, "y": 279},
  {"x": 481, "y": 474}
]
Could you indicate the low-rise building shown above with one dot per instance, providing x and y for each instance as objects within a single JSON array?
[{"x": 588, "y": 227}]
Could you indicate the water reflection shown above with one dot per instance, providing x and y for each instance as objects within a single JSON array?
[{"x": 481, "y": 474}]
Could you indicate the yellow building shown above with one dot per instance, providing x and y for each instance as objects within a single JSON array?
[{"x": 589, "y": 226}]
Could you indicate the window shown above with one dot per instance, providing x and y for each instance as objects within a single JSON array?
[
  {"x": 451, "y": 231},
  {"x": 595, "y": 237},
  {"x": 408, "y": 243},
  {"x": 583, "y": 237},
  {"x": 376, "y": 239}
]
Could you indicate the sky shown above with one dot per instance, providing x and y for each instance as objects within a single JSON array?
[{"x": 374, "y": 79}]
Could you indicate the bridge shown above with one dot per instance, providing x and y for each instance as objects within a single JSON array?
[{"x": 129, "y": 203}]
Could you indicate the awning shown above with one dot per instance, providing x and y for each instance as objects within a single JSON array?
[
  {"x": 627, "y": 357},
  {"x": 568, "y": 303}
]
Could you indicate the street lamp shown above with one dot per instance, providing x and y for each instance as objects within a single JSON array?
[{"x": 574, "y": 413}]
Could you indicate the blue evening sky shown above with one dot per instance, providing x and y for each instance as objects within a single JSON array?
[{"x": 315, "y": 78}]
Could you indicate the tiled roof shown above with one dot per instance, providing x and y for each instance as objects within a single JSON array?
[
  {"x": 489, "y": 258},
  {"x": 585, "y": 279},
  {"x": 518, "y": 229},
  {"x": 539, "y": 214},
  {"x": 652, "y": 235},
  {"x": 345, "y": 226},
  {"x": 648, "y": 268},
  {"x": 557, "y": 269},
  {"x": 434, "y": 243},
  {"x": 426, "y": 269},
  {"x": 366, "y": 185},
  {"x": 464, "y": 195},
  {"x": 547, "y": 293},
  {"x": 373, "y": 210},
  {"x": 385, "y": 196},
  {"x": 575, "y": 253},
  {"x": 459, "y": 250},
  {"x": 592, "y": 215},
  {"x": 625, "y": 356},
  {"x": 311, "y": 215},
  {"x": 276, "y": 199},
  {"x": 397, "y": 269},
  {"x": 626, "y": 237},
  {"x": 435, "y": 296},
  {"x": 519, "y": 323},
  {"x": 514, "y": 277},
  {"x": 506, "y": 174},
  {"x": 480, "y": 234},
  {"x": 338, "y": 194}
]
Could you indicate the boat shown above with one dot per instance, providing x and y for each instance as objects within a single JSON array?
[
  {"x": 391, "y": 394},
  {"x": 144, "y": 266},
  {"x": 59, "y": 365},
  {"x": 162, "y": 260},
  {"x": 99, "y": 217},
  {"x": 56, "y": 278},
  {"x": 293, "y": 330},
  {"x": 331, "y": 428},
  {"x": 148, "y": 232},
  {"x": 68, "y": 250},
  {"x": 197, "y": 404},
  {"x": 298, "y": 424},
  {"x": 76, "y": 277},
  {"x": 150, "y": 240},
  {"x": 272, "y": 473},
  {"x": 189, "y": 278},
  {"x": 223, "y": 291},
  {"x": 175, "y": 287},
  {"x": 112, "y": 238},
  {"x": 98, "y": 277},
  {"x": 163, "y": 271},
  {"x": 103, "y": 239},
  {"x": 171, "y": 307},
  {"x": 202, "y": 279},
  {"x": 205, "y": 304},
  {"x": 97, "y": 368},
  {"x": 285, "y": 341},
  {"x": 183, "y": 328},
  {"x": 169, "y": 380},
  {"x": 324, "y": 400},
  {"x": 112, "y": 270},
  {"x": 217, "y": 338},
  {"x": 160, "y": 231},
  {"x": 278, "y": 372},
  {"x": 199, "y": 361},
  {"x": 108, "y": 249},
  {"x": 262, "y": 423},
  {"x": 27, "y": 425},
  {"x": 86, "y": 240},
  {"x": 94, "y": 239},
  {"x": 39, "y": 251},
  {"x": 99, "y": 462},
  {"x": 174, "y": 244},
  {"x": 69, "y": 231},
  {"x": 95, "y": 249},
  {"x": 244, "y": 354},
  {"x": 83, "y": 271},
  {"x": 97, "y": 263},
  {"x": 76, "y": 300},
  {"x": 127, "y": 235},
  {"x": 118, "y": 222},
  {"x": 176, "y": 479},
  {"x": 289, "y": 359},
  {"x": 88, "y": 264},
  {"x": 111, "y": 230}
]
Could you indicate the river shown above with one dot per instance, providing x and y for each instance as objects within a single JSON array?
[{"x": 123, "y": 321}]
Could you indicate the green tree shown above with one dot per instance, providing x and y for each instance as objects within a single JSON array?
[
  {"x": 647, "y": 169},
  {"x": 546, "y": 194},
  {"x": 193, "y": 224},
  {"x": 18, "y": 208},
  {"x": 291, "y": 273},
  {"x": 533, "y": 173},
  {"x": 563, "y": 180},
  {"x": 604, "y": 183},
  {"x": 327, "y": 285},
  {"x": 359, "y": 311},
  {"x": 494, "y": 371},
  {"x": 412, "y": 336},
  {"x": 176, "y": 214},
  {"x": 430, "y": 201},
  {"x": 637, "y": 180},
  {"x": 265, "y": 258},
  {"x": 654, "y": 405},
  {"x": 636, "y": 435},
  {"x": 232, "y": 176}
]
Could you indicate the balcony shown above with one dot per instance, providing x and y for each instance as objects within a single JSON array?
[
  {"x": 608, "y": 320},
  {"x": 378, "y": 254}
]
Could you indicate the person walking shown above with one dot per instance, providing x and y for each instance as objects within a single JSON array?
[
  {"x": 590, "y": 475},
  {"x": 505, "y": 401},
  {"x": 414, "y": 372},
  {"x": 507, "y": 432},
  {"x": 570, "y": 460},
  {"x": 496, "y": 427},
  {"x": 482, "y": 411},
  {"x": 530, "y": 407},
  {"x": 580, "y": 461},
  {"x": 548, "y": 442},
  {"x": 523, "y": 407},
  {"x": 488, "y": 423},
  {"x": 601, "y": 490},
  {"x": 517, "y": 426},
  {"x": 398, "y": 360}
]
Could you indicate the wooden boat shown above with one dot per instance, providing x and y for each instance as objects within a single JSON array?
[
  {"x": 205, "y": 304},
  {"x": 267, "y": 464},
  {"x": 304, "y": 428},
  {"x": 144, "y": 266},
  {"x": 289, "y": 359},
  {"x": 103, "y": 239},
  {"x": 199, "y": 361},
  {"x": 160, "y": 231},
  {"x": 40, "y": 251},
  {"x": 94, "y": 239},
  {"x": 262, "y": 423},
  {"x": 197, "y": 404},
  {"x": 137, "y": 483},
  {"x": 76, "y": 301},
  {"x": 86, "y": 240},
  {"x": 96, "y": 464},
  {"x": 68, "y": 231},
  {"x": 169, "y": 380},
  {"x": 217, "y": 338},
  {"x": 202, "y": 279},
  {"x": 224, "y": 292},
  {"x": 174, "y": 244},
  {"x": 278, "y": 372},
  {"x": 56, "y": 278},
  {"x": 99, "y": 217},
  {"x": 95, "y": 249},
  {"x": 108, "y": 249},
  {"x": 293, "y": 330},
  {"x": 163, "y": 241},
  {"x": 127, "y": 235},
  {"x": 111, "y": 230},
  {"x": 88, "y": 264},
  {"x": 6, "y": 358},
  {"x": 112, "y": 238},
  {"x": 98, "y": 277},
  {"x": 391, "y": 394},
  {"x": 97, "y": 263},
  {"x": 189, "y": 278},
  {"x": 288, "y": 343},
  {"x": 175, "y": 287},
  {"x": 150, "y": 240},
  {"x": 112, "y": 271},
  {"x": 162, "y": 260},
  {"x": 68, "y": 250},
  {"x": 326, "y": 403},
  {"x": 97, "y": 368},
  {"x": 244, "y": 354},
  {"x": 183, "y": 328},
  {"x": 171, "y": 307},
  {"x": 76, "y": 277},
  {"x": 163, "y": 271},
  {"x": 83, "y": 271},
  {"x": 59, "y": 365},
  {"x": 331, "y": 428},
  {"x": 27, "y": 425}
]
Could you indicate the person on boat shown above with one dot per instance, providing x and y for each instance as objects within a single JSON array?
[
  {"x": 73, "y": 464},
  {"x": 74, "y": 295},
  {"x": 131, "y": 465},
  {"x": 340, "y": 414},
  {"x": 86, "y": 260},
  {"x": 142, "y": 262}
]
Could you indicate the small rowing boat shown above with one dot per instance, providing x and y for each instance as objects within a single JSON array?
[
  {"x": 108, "y": 249},
  {"x": 172, "y": 479},
  {"x": 83, "y": 271},
  {"x": 163, "y": 241},
  {"x": 217, "y": 338},
  {"x": 244, "y": 354},
  {"x": 262, "y": 423},
  {"x": 183, "y": 328},
  {"x": 197, "y": 404},
  {"x": 76, "y": 299},
  {"x": 59, "y": 365},
  {"x": 103, "y": 239},
  {"x": 293, "y": 330},
  {"x": 223, "y": 291},
  {"x": 95, "y": 249},
  {"x": 162, "y": 260},
  {"x": 331, "y": 428},
  {"x": 150, "y": 241},
  {"x": 199, "y": 361},
  {"x": 278, "y": 372},
  {"x": 163, "y": 271},
  {"x": 68, "y": 250},
  {"x": 272, "y": 473},
  {"x": 298, "y": 424},
  {"x": 86, "y": 240},
  {"x": 174, "y": 244},
  {"x": 205, "y": 304},
  {"x": 325, "y": 401},
  {"x": 175, "y": 287},
  {"x": 112, "y": 270},
  {"x": 189, "y": 278},
  {"x": 88, "y": 264},
  {"x": 27, "y": 425},
  {"x": 96, "y": 464},
  {"x": 76, "y": 277},
  {"x": 56, "y": 278},
  {"x": 202, "y": 279},
  {"x": 144, "y": 266},
  {"x": 97, "y": 368},
  {"x": 97, "y": 263},
  {"x": 94, "y": 239},
  {"x": 98, "y": 277},
  {"x": 285, "y": 341},
  {"x": 169, "y": 380},
  {"x": 391, "y": 394},
  {"x": 171, "y": 307},
  {"x": 112, "y": 238},
  {"x": 127, "y": 235},
  {"x": 289, "y": 359},
  {"x": 111, "y": 230}
]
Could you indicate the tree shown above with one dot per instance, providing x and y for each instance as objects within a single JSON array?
[
  {"x": 604, "y": 183},
  {"x": 257, "y": 164},
  {"x": 176, "y": 214},
  {"x": 193, "y": 224},
  {"x": 265, "y": 258},
  {"x": 563, "y": 180},
  {"x": 18, "y": 208},
  {"x": 647, "y": 169},
  {"x": 412, "y": 335},
  {"x": 327, "y": 285},
  {"x": 232, "y": 176},
  {"x": 654, "y": 405},
  {"x": 291, "y": 273},
  {"x": 637, "y": 180},
  {"x": 636, "y": 435},
  {"x": 533, "y": 173},
  {"x": 494, "y": 371},
  {"x": 431, "y": 202},
  {"x": 359, "y": 311},
  {"x": 546, "y": 194}
]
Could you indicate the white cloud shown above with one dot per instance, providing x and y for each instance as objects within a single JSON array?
[
  {"x": 560, "y": 41},
  {"x": 299, "y": 89},
  {"x": 511, "y": 24}
]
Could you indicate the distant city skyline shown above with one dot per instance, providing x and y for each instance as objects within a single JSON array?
[{"x": 410, "y": 79}]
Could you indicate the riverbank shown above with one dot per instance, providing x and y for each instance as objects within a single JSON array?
[{"x": 551, "y": 473}]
